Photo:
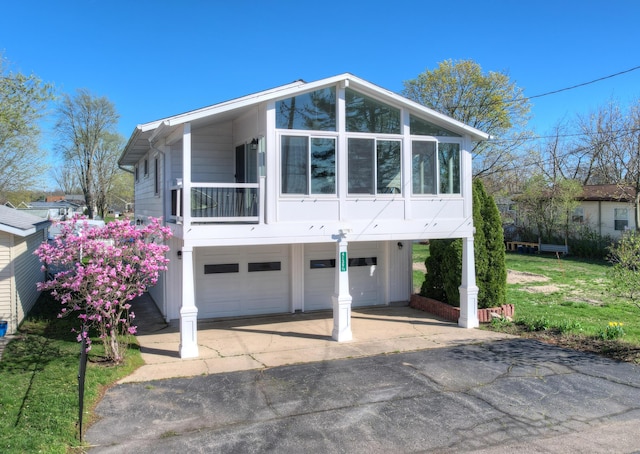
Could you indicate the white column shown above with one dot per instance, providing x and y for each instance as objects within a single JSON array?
[
  {"x": 342, "y": 298},
  {"x": 468, "y": 289},
  {"x": 188, "y": 311}
]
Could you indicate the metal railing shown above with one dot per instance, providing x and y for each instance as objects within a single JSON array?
[{"x": 218, "y": 202}]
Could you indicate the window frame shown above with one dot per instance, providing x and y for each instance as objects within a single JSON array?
[
  {"x": 617, "y": 218},
  {"x": 309, "y": 135},
  {"x": 374, "y": 184}
]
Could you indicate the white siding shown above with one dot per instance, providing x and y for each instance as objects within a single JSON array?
[
  {"x": 19, "y": 273},
  {"x": 6, "y": 280},
  {"x": 147, "y": 202},
  {"x": 601, "y": 216},
  {"x": 213, "y": 154},
  {"x": 28, "y": 272}
]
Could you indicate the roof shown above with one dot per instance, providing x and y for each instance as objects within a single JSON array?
[
  {"x": 20, "y": 223},
  {"x": 608, "y": 193},
  {"x": 138, "y": 144}
]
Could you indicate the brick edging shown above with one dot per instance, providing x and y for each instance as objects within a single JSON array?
[{"x": 452, "y": 313}]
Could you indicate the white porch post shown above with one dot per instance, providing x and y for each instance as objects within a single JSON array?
[
  {"x": 468, "y": 289},
  {"x": 188, "y": 311},
  {"x": 342, "y": 298}
]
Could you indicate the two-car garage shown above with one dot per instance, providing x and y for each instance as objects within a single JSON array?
[{"x": 251, "y": 280}]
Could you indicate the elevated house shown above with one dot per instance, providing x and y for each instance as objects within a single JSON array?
[{"x": 304, "y": 197}]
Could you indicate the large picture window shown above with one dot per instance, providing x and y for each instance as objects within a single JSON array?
[
  {"x": 365, "y": 114},
  {"x": 420, "y": 127},
  {"x": 621, "y": 218},
  {"x": 423, "y": 162},
  {"x": 374, "y": 166},
  {"x": 449, "y": 167},
  {"x": 309, "y": 111},
  {"x": 308, "y": 165}
]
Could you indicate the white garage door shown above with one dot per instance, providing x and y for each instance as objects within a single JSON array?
[
  {"x": 365, "y": 271},
  {"x": 240, "y": 281}
]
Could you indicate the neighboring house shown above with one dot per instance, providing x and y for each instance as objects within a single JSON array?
[
  {"x": 55, "y": 211},
  {"x": 608, "y": 209},
  {"x": 304, "y": 197},
  {"x": 20, "y": 234}
]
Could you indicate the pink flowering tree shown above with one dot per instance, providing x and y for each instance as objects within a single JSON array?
[{"x": 95, "y": 272}]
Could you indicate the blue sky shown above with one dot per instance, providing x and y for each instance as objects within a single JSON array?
[{"x": 154, "y": 59}]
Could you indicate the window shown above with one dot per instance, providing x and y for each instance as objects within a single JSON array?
[
  {"x": 449, "y": 163},
  {"x": 331, "y": 263},
  {"x": 578, "y": 215},
  {"x": 420, "y": 127},
  {"x": 374, "y": 166},
  {"x": 136, "y": 173},
  {"x": 156, "y": 177},
  {"x": 310, "y": 111},
  {"x": 308, "y": 165},
  {"x": 222, "y": 268},
  {"x": 621, "y": 218},
  {"x": 146, "y": 167},
  {"x": 423, "y": 163},
  {"x": 365, "y": 114},
  {"x": 264, "y": 266}
]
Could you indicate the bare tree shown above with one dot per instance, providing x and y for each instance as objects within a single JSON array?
[
  {"x": 66, "y": 178},
  {"x": 106, "y": 169},
  {"x": 84, "y": 123}
]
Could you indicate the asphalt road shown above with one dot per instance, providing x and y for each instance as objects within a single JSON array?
[{"x": 498, "y": 397}]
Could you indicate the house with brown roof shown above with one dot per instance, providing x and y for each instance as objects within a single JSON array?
[{"x": 609, "y": 209}]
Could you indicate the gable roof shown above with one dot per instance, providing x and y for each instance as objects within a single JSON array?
[
  {"x": 20, "y": 223},
  {"x": 608, "y": 193},
  {"x": 138, "y": 144}
]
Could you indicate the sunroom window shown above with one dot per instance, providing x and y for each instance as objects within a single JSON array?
[
  {"x": 374, "y": 166},
  {"x": 365, "y": 114},
  {"x": 314, "y": 111},
  {"x": 449, "y": 167},
  {"x": 420, "y": 127},
  {"x": 423, "y": 157},
  {"x": 308, "y": 165}
]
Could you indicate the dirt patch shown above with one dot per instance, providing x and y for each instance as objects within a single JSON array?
[{"x": 522, "y": 277}]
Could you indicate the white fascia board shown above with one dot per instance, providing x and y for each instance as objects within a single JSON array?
[
  {"x": 16, "y": 231},
  {"x": 456, "y": 125}
]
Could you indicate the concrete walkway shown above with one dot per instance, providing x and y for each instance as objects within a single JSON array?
[{"x": 271, "y": 341}]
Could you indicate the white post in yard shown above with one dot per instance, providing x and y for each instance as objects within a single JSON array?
[
  {"x": 342, "y": 298},
  {"x": 188, "y": 311},
  {"x": 468, "y": 289}
]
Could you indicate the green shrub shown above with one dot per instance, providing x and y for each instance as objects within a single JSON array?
[
  {"x": 444, "y": 265},
  {"x": 612, "y": 331}
]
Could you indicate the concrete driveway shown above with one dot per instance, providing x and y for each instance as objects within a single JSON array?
[{"x": 490, "y": 396}]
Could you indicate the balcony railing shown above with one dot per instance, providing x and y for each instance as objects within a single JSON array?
[{"x": 219, "y": 202}]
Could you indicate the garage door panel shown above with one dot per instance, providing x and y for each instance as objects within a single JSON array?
[
  {"x": 364, "y": 281},
  {"x": 263, "y": 290}
]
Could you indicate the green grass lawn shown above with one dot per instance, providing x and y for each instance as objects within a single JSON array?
[
  {"x": 39, "y": 376},
  {"x": 565, "y": 296}
]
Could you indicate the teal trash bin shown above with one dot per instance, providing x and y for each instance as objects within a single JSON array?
[{"x": 3, "y": 327}]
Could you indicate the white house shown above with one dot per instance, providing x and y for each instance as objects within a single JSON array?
[
  {"x": 609, "y": 209},
  {"x": 303, "y": 197},
  {"x": 20, "y": 234}
]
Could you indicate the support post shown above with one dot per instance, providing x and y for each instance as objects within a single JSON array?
[
  {"x": 188, "y": 311},
  {"x": 342, "y": 298},
  {"x": 468, "y": 289}
]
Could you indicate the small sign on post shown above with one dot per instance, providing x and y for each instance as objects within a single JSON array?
[{"x": 343, "y": 261}]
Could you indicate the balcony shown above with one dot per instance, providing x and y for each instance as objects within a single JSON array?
[{"x": 218, "y": 203}]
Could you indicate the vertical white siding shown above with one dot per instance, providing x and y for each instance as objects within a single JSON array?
[{"x": 27, "y": 269}]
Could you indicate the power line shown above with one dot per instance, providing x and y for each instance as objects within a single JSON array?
[{"x": 585, "y": 83}]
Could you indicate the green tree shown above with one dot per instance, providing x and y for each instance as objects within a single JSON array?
[
  {"x": 625, "y": 272},
  {"x": 23, "y": 103},
  {"x": 490, "y": 102},
  {"x": 86, "y": 127},
  {"x": 444, "y": 264}
]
